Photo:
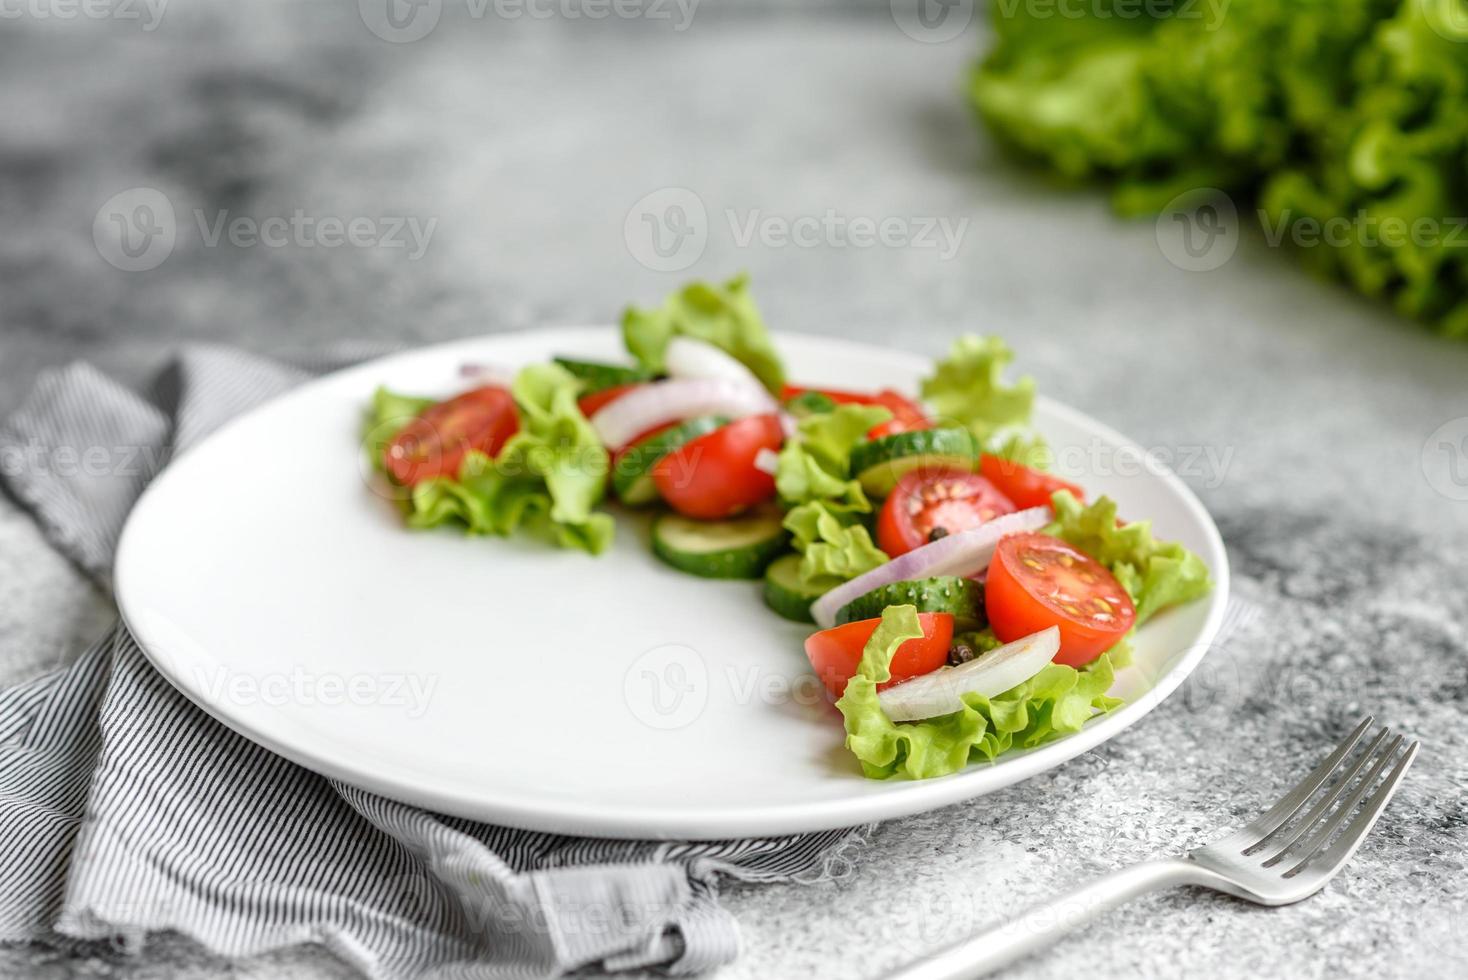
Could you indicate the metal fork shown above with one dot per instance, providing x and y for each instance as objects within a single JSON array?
[{"x": 1286, "y": 855}]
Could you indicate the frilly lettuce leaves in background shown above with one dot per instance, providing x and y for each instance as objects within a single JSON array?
[
  {"x": 1156, "y": 574},
  {"x": 548, "y": 477},
  {"x": 1057, "y": 701},
  {"x": 1319, "y": 110},
  {"x": 724, "y": 316},
  {"x": 967, "y": 388}
]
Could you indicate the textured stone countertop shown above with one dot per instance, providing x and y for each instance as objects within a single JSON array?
[{"x": 529, "y": 140}]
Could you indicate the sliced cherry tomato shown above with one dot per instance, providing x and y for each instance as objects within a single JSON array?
[
  {"x": 434, "y": 443},
  {"x": 592, "y": 403},
  {"x": 835, "y": 653},
  {"x": 1036, "y": 581},
  {"x": 714, "y": 476},
  {"x": 907, "y": 415},
  {"x": 929, "y": 503},
  {"x": 1025, "y": 486}
]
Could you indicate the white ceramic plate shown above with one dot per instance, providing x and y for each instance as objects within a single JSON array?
[{"x": 267, "y": 577}]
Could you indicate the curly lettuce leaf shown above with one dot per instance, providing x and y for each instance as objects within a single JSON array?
[
  {"x": 1055, "y": 702},
  {"x": 815, "y": 465},
  {"x": 556, "y": 443},
  {"x": 1320, "y": 114},
  {"x": 547, "y": 478},
  {"x": 1156, "y": 574},
  {"x": 389, "y": 413},
  {"x": 834, "y": 547},
  {"x": 725, "y": 316},
  {"x": 967, "y": 388}
]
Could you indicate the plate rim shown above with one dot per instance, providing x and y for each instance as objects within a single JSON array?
[{"x": 661, "y": 822}]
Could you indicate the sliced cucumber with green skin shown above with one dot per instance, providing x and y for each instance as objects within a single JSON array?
[
  {"x": 810, "y": 403},
  {"x": 880, "y": 463},
  {"x": 632, "y": 475},
  {"x": 739, "y": 547},
  {"x": 962, "y": 597},
  {"x": 784, "y": 591},
  {"x": 599, "y": 376}
]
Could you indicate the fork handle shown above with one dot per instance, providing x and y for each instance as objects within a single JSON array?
[{"x": 1043, "y": 924}]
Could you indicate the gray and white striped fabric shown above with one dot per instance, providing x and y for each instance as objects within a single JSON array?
[{"x": 125, "y": 810}]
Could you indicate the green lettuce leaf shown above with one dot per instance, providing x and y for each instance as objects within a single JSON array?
[
  {"x": 834, "y": 547},
  {"x": 967, "y": 389},
  {"x": 1055, "y": 702},
  {"x": 387, "y": 415},
  {"x": 1311, "y": 113},
  {"x": 724, "y": 316},
  {"x": 1156, "y": 574},
  {"x": 815, "y": 465},
  {"x": 547, "y": 478}
]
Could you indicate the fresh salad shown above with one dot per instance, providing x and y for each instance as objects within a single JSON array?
[{"x": 965, "y": 601}]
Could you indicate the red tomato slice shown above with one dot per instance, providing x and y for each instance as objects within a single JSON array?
[
  {"x": 907, "y": 415},
  {"x": 926, "y": 500},
  {"x": 434, "y": 443},
  {"x": 714, "y": 476},
  {"x": 1036, "y": 581},
  {"x": 1025, "y": 486},
  {"x": 835, "y": 653},
  {"x": 590, "y": 404}
]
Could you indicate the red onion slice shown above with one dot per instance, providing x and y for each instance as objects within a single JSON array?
[
  {"x": 662, "y": 402},
  {"x": 686, "y": 357},
  {"x": 964, "y": 553},
  {"x": 489, "y": 374},
  {"x": 993, "y": 673}
]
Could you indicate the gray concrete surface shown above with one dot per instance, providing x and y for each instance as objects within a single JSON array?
[{"x": 529, "y": 141}]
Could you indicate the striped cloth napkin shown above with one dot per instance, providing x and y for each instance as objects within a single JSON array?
[{"x": 126, "y": 810}]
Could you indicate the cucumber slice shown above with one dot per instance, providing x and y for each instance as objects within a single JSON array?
[
  {"x": 962, "y": 597},
  {"x": 809, "y": 403},
  {"x": 740, "y": 547},
  {"x": 599, "y": 376},
  {"x": 879, "y": 464},
  {"x": 784, "y": 592},
  {"x": 632, "y": 475}
]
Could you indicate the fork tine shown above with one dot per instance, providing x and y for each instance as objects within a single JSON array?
[
  {"x": 1286, "y": 808},
  {"x": 1307, "y": 824},
  {"x": 1328, "y": 861}
]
